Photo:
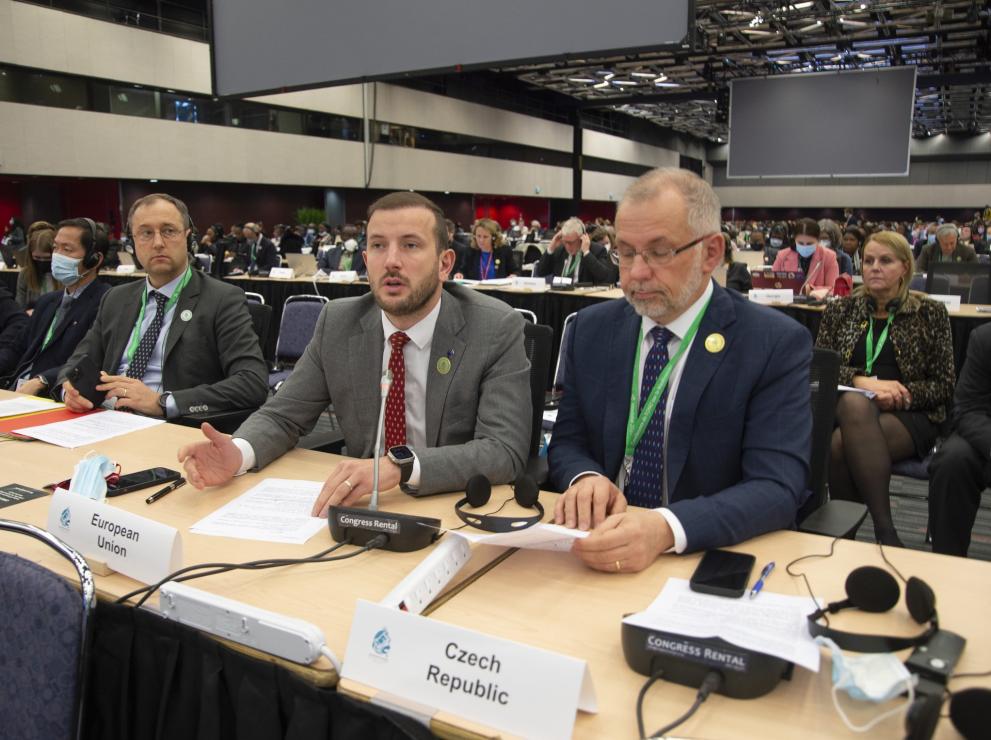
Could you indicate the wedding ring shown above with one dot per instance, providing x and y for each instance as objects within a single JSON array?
[
  {"x": 125, "y": 392},
  {"x": 619, "y": 566},
  {"x": 349, "y": 484}
]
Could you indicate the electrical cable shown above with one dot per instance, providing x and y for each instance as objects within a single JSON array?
[
  {"x": 808, "y": 586},
  {"x": 712, "y": 682},
  {"x": 643, "y": 692}
]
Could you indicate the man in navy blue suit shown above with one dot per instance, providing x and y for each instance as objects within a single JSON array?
[{"x": 685, "y": 423}]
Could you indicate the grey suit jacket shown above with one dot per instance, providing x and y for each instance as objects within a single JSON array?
[
  {"x": 212, "y": 361},
  {"x": 478, "y": 414}
]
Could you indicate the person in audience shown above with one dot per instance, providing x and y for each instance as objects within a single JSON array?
[
  {"x": 895, "y": 344},
  {"x": 292, "y": 241},
  {"x": 257, "y": 254},
  {"x": 460, "y": 396},
  {"x": 946, "y": 249},
  {"x": 737, "y": 273},
  {"x": 777, "y": 240},
  {"x": 13, "y": 322},
  {"x": 536, "y": 233},
  {"x": 35, "y": 278},
  {"x": 927, "y": 236},
  {"x": 61, "y": 318},
  {"x": 960, "y": 470},
  {"x": 572, "y": 254},
  {"x": 178, "y": 342},
  {"x": 489, "y": 257},
  {"x": 724, "y": 455},
  {"x": 345, "y": 256},
  {"x": 13, "y": 241},
  {"x": 817, "y": 264},
  {"x": 830, "y": 237},
  {"x": 853, "y": 245}
]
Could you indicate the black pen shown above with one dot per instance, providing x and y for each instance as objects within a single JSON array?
[{"x": 168, "y": 489}]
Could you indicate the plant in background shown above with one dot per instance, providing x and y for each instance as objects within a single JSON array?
[{"x": 310, "y": 215}]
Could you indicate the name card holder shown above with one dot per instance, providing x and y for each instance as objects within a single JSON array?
[
  {"x": 562, "y": 280},
  {"x": 126, "y": 269},
  {"x": 952, "y": 302},
  {"x": 343, "y": 276},
  {"x": 530, "y": 283},
  {"x": 772, "y": 295},
  {"x": 133, "y": 545},
  {"x": 424, "y": 666},
  {"x": 282, "y": 273}
]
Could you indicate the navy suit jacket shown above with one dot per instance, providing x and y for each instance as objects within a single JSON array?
[
  {"x": 739, "y": 439},
  {"x": 70, "y": 332}
]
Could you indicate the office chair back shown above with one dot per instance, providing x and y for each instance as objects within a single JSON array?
[
  {"x": 918, "y": 282},
  {"x": 254, "y": 297},
  {"x": 299, "y": 321},
  {"x": 261, "y": 322},
  {"x": 527, "y": 314},
  {"x": 44, "y": 641},
  {"x": 205, "y": 261},
  {"x": 537, "y": 339},
  {"x": 980, "y": 289},
  {"x": 561, "y": 369}
]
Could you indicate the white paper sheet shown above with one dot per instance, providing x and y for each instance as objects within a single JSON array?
[
  {"x": 550, "y": 415},
  {"x": 89, "y": 429},
  {"x": 537, "y": 537},
  {"x": 276, "y": 510},
  {"x": 771, "y": 623},
  {"x": 862, "y": 391},
  {"x": 26, "y": 405}
]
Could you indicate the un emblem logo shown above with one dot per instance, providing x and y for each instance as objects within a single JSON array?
[
  {"x": 382, "y": 643},
  {"x": 64, "y": 518}
]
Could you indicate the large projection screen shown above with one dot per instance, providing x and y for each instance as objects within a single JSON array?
[
  {"x": 271, "y": 45},
  {"x": 831, "y": 124}
]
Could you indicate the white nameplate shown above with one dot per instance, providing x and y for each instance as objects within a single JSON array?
[
  {"x": 530, "y": 283},
  {"x": 952, "y": 302},
  {"x": 343, "y": 276},
  {"x": 306, "y": 250},
  {"x": 141, "y": 548},
  {"x": 501, "y": 684},
  {"x": 282, "y": 273},
  {"x": 126, "y": 269},
  {"x": 772, "y": 295},
  {"x": 562, "y": 281}
]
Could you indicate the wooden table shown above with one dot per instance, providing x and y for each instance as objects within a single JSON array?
[{"x": 552, "y": 601}]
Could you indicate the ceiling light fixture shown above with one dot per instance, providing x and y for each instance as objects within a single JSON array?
[
  {"x": 645, "y": 75},
  {"x": 581, "y": 79},
  {"x": 601, "y": 85},
  {"x": 810, "y": 27}
]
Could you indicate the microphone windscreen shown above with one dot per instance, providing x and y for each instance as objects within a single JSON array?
[
  {"x": 969, "y": 712},
  {"x": 920, "y": 600},
  {"x": 525, "y": 490},
  {"x": 872, "y": 589},
  {"x": 478, "y": 490}
]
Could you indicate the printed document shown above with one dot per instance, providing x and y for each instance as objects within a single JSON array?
[
  {"x": 276, "y": 510},
  {"x": 89, "y": 429},
  {"x": 26, "y": 405}
]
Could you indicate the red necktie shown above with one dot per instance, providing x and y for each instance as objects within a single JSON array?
[{"x": 395, "y": 402}]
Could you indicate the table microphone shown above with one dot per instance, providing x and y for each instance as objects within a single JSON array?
[{"x": 405, "y": 532}]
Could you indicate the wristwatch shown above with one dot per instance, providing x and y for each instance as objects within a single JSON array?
[
  {"x": 402, "y": 456},
  {"x": 163, "y": 399}
]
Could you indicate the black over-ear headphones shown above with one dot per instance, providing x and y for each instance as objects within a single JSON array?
[
  {"x": 92, "y": 258},
  {"x": 891, "y": 306},
  {"x": 876, "y": 590},
  {"x": 477, "y": 493}
]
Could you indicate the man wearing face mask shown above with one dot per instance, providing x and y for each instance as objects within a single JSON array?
[
  {"x": 62, "y": 318},
  {"x": 345, "y": 256}
]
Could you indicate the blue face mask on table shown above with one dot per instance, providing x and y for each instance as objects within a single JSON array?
[{"x": 89, "y": 479}]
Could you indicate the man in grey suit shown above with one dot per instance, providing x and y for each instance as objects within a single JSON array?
[
  {"x": 177, "y": 343},
  {"x": 459, "y": 402}
]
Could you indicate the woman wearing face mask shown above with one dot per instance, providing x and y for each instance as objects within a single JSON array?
[
  {"x": 487, "y": 259},
  {"x": 776, "y": 241},
  {"x": 35, "y": 278},
  {"x": 819, "y": 265},
  {"x": 896, "y": 344}
]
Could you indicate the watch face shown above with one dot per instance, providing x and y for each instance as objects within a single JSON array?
[{"x": 401, "y": 454}]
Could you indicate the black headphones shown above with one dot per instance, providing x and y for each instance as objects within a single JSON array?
[
  {"x": 477, "y": 493},
  {"x": 891, "y": 306},
  {"x": 876, "y": 590},
  {"x": 92, "y": 258}
]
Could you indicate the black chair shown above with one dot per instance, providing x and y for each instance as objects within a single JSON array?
[
  {"x": 819, "y": 515},
  {"x": 261, "y": 321},
  {"x": 980, "y": 289},
  {"x": 299, "y": 322},
  {"x": 44, "y": 640},
  {"x": 537, "y": 339},
  {"x": 527, "y": 314}
]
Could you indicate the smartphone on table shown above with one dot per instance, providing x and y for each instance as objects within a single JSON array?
[{"x": 723, "y": 573}]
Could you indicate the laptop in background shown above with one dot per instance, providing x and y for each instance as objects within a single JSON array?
[
  {"x": 304, "y": 265},
  {"x": 778, "y": 280}
]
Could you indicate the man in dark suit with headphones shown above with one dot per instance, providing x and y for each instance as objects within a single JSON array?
[
  {"x": 258, "y": 253},
  {"x": 177, "y": 343},
  {"x": 946, "y": 248},
  {"x": 61, "y": 318},
  {"x": 572, "y": 254}
]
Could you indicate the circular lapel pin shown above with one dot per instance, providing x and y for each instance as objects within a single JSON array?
[
  {"x": 187, "y": 315},
  {"x": 715, "y": 343},
  {"x": 443, "y": 365}
]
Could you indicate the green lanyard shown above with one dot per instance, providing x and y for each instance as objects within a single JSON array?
[
  {"x": 51, "y": 327},
  {"x": 569, "y": 266},
  {"x": 132, "y": 346},
  {"x": 873, "y": 354},
  {"x": 636, "y": 423}
]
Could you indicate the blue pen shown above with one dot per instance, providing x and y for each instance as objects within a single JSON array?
[{"x": 760, "y": 581}]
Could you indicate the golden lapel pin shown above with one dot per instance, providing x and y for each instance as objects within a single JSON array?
[
  {"x": 715, "y": 343},
  {"x": 443, "y": 365}
]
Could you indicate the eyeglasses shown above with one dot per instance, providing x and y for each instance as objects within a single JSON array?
[
  {"x": 169, "y": 234},
  {"x": 655, "y": 257}
]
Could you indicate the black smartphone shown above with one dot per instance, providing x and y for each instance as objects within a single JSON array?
[
  {"x": 143, "y": 479},
  {"x": 85, "y": 376},
  {"x": 723, "y": 573}
]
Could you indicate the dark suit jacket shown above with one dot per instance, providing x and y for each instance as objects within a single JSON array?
[
  {"x": 266, "y": 256},
  {"x": 738, "y": 277},
  {"x": 931, "y": 253},
  {"x": 503, "y": 257},
  {"x": 212, "y": 361},
  {"x": 68, "y": 333},
  {"x": 330, "y": 260},
  {"x": 972, "y": 399},
  {"x": 596, "y": 267},
  {"x": 477, "y": 413},
  {"x": 739, "y": 438},
  {"x": 13, "y": 322}
]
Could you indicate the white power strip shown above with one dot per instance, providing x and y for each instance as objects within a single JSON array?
[
  {"x": 428, "y": 579},
  {"x": 287, "y": 637}
]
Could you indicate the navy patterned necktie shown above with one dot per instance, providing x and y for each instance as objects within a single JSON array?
[
  {"x": 645, "y": 484},
  {"x": 139, "y": 363}
]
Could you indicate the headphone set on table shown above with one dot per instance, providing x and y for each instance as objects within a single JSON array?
[{"x": 478, "y": 491}]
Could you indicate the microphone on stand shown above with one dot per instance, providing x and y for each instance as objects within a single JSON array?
[
  {"x": 404, "y": 532},
  {"x": 812, "y": 274}
]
